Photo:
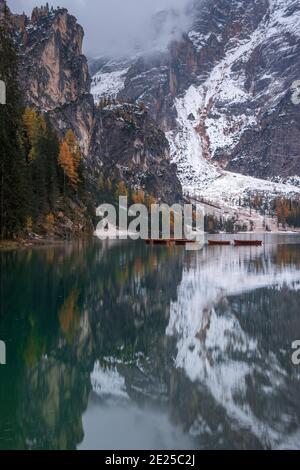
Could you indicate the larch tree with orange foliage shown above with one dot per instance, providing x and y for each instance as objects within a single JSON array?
[
  {"x": 138, "y": 197},
  {"x": 69, "y": 158}
]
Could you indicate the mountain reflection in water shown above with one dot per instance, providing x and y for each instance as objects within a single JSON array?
[{"x": 121, "y": 345}]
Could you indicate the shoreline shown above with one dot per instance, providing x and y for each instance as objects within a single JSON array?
[
  {"x": 16, "y": 245},
  {"x": 24, "y": 244}
]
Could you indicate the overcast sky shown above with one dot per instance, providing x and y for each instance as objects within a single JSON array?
[{"x": 116, "y": 26}]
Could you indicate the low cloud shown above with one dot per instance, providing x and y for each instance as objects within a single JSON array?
[{"x": 118, "y": 27}]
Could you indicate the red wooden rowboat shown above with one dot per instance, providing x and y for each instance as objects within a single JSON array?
[
  {"x": 168, "y": 242},
  {"x": 184, "y": 242},
  {"x": 218, "y": 243},
  {"x": 248, "y": 242},
  {"x": 157, "y": 242}
]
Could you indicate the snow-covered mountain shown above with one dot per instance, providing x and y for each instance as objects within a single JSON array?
[
  {"x": 226, "y": 94},
  {"x": 120, "y": 142}
]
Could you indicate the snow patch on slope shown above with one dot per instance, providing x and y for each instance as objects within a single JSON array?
[
  {"x": 285, "y": 16},
  {"x": 197, "y": 173},
  {"x": 230, "y": 187},
  {"x": 213, "y": 116},
  {"x": 185, "y": 143},
  {"x": 108, "y": 382},
  {"x": 108, "y": 84}
]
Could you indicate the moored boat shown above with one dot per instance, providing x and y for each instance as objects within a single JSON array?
[
  {"x": 218, "y": 243},
  {"x": 169, "y": 242},
  {"x": 183, "y": 242},
  {"x": 248, "y": 242},
  {"x": 157, "y": 242}
]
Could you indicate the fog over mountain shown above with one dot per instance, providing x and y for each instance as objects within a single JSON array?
[{"x": 118, "y": 27}]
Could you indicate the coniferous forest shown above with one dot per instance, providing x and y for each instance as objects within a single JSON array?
[{"x": 42, "y": 177}]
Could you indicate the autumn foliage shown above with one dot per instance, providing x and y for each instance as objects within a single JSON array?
[{"x": 69, "y": 158}]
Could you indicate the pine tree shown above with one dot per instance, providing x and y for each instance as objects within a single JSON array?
[
  {"x": 41, "y": 147},
  {"x": 35, "y": 143},
  {"x": 12, "y": 163},
  {"x": 51, "y": 157}
]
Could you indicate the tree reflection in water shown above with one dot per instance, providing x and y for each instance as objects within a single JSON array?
[{"x": 191, "y": 349}]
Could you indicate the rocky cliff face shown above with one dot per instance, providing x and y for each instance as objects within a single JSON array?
[
  {"x": 53, "y": 71},
  {"x": 223, "y": 93},
  {"x": 55, "y": 78},
  {"x": 2, "y": 6},
  {"x": 127, "y": 142}
]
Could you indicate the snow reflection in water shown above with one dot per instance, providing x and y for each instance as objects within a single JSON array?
[{"x": 215, "y": 351}]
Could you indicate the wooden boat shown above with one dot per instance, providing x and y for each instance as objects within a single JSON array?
[
  {"x": 218, "y": 243},
  {"x": 183, "y": 242},
  {"x": 248, "y": 242},
  {"x": 168, "y": 242},
  {"x": 157, "y": 242}
]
